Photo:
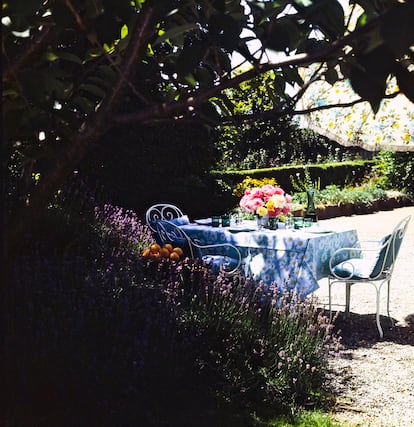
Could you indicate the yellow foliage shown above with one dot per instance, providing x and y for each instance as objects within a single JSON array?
[{"x": 249, "y": 182}]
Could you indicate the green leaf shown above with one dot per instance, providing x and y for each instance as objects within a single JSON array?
[
  {"x": 405, "y": 80},
  {"x": 328, "y": 15},
  {"x": 99, "y": 81},
  {"x": 84, "y": 103},
  {"x": 280, "y": 85},
  {"x": 50, "y": 56},
  {"x": 124, "y": 31},
  {"x": 93, "y": 89},
  {"x": 224, "y": 31},
  {"x": 189, "y": 78},
  {"x": 107, "y": 72},
  {"x": 369, "y": 76},
  {"x": 204, "y": 76},
  {"x": 398, "y": 28},
  {"x": 175, "y": 32},
  {"x": 67, "y": 56},
  {"x": 219, "y": 60},
  {"x": 292, "y": 75},
  {"x": 283, "y": 35},
  {"x": 331, "y": 76},
  {"x": 189, "y": 59}
]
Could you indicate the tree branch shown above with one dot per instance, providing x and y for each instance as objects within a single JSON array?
[
  {"x": 272, "y": 114},
  {"x": 196, "y": 99}
]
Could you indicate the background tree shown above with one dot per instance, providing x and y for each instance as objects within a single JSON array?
[
  {"x": 271, "y": 141},
  {"x": 70, "y": 67}
]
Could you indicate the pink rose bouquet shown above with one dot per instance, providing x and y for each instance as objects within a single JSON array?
[{"x": 267, "y": 200}]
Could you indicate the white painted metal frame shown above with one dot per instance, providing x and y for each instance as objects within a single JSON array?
[
  {"x": 169, "y": 232},
  {"x": 391, "y": 248},
  {"x": 161, "y": 211}
]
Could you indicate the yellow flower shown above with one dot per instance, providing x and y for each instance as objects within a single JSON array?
[{"x": 262, "y": 211}]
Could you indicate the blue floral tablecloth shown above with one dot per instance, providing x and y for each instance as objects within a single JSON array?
[{"x": 293, "y": 259}]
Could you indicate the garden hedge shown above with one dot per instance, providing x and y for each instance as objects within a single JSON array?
[{"x": 344, "y": 173}]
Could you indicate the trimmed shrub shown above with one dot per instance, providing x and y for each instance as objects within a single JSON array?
[{"x": 396, "y": 170}]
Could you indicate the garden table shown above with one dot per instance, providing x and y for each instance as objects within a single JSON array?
[{"x": 293, "y": 259}]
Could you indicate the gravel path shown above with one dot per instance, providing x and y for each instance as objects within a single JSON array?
[{"x": 374, "y": 378}]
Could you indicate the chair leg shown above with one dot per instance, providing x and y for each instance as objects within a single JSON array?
[
  {"x": 329, "y": 300},
  {"x": 347, "y": 298},
  {"x": 388, "y": 302},
  {"x": 377, "y": 316}
]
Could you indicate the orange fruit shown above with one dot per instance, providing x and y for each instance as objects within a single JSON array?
[
  {"x": 174, "y": 256},
  {"x": 155, "y": 248},
  {"x": 168, "y": 246},
  {"x": 145, "y": 253},
  {"x": 164, "y": 252},
  {"x": 155, "y": 255},
  {"x": 178, "y": 251}
]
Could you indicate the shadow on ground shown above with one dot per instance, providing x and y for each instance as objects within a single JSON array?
[{"x": 360, "y": 330}]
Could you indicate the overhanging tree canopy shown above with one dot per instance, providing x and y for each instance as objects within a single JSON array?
[{"x": 71, "y": 66}]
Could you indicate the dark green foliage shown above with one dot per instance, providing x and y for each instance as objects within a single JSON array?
[
  {"x": 396, "y": 170},
  {"x": 138, "y": 167},
  {"x": 349, "y": 172}
]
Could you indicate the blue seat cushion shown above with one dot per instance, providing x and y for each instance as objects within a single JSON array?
[
  {"x": 385, "y": 259},
  {"x": 354, "y": 268},
  {"x": 216, "y": 261},
  {"x": 360, "y": 268}
]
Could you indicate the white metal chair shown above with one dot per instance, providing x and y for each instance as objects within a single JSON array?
[
  {"x": 367, "y": 264},
  {"x": 163, "y": 211},
  {"x": 223, "y": 257}
]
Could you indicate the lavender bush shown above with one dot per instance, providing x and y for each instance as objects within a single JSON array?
[
  {"x": 105, "y": 337},
  {"x": 255, "y": 346}
]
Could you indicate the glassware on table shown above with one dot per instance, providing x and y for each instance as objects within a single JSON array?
[
  {"x": 289, "y": 223},
  {"x": 225, "y": 220},
  {"x": 215, "y": 221},
  {"x": 262, "y": 221},
  {"x": 307, "y": 222},
  {"x": 238, "y": 217},
  {"x": 273, "y": 223},
  {"x": 298, "y": 222}
]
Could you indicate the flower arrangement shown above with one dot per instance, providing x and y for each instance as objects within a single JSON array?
[{"x": 267, "y": 200}]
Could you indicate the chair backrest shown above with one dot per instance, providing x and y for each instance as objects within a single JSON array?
[
  {"x": 161, "y": 211},
  {"x": 390, "y": 246}
]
